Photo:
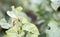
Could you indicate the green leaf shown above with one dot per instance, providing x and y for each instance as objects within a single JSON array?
[
  {"x": 30, "y": 28},
  {"x": 55, "y": 4},
  {"x": 54, "y": 30},
  {"x": 26, "y": 26},
  {"x": 24, "y": 20},
  {"x": 4, "y": 24},
  {"x": 53, "y": 24},
  {"x": 31, "y": 35},
  {"x": 23, "y": 14},
  {"x": 11, "y": 14},
  {"x": 15, "y": 32},
  {"x": 15, "y": 12}
]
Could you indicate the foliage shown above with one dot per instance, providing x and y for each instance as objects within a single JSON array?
[
  {"x": 17, "y": 21},
  {"x": 19, "y": 26}
]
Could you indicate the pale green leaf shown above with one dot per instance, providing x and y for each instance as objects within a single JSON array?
[
  {"x": 13, "y": 32},
  {"x": 11, "y": 14},
  {"x": 15, "y": 12},
  {"x": 31, "y": 28},
  {"x": 55, "y": 4},
  {"x": 54, "y": 29},
  {"x": 31, "y": 35},
  {"x": 24, "y": 20},
  {"x": 4, "y": 24}
]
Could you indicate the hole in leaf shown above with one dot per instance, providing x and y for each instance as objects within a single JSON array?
[
  {"x": 49, "y": 28},
  {"x": 58, "y": 9}
]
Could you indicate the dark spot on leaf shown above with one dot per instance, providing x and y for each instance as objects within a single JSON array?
[
  {"x": 49, "y": 28},
  {"x": 58, "y": 9}
]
